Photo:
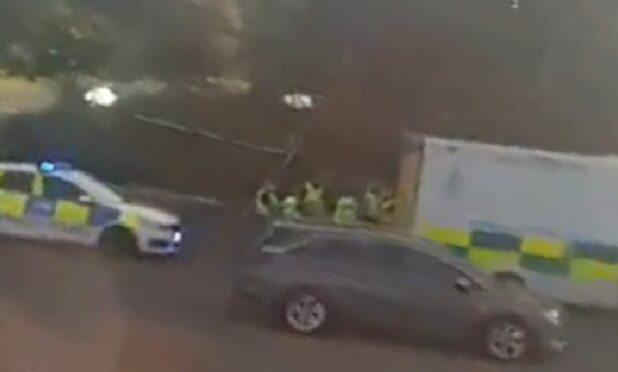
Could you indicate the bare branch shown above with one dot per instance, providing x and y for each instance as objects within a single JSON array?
[{"x": 210, "y": 135}]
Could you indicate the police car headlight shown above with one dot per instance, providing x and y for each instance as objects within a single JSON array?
[
  {"x": 177, "y": 237},
  {"x": 553, "y": 316}
]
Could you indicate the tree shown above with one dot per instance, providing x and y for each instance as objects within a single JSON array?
[{"x": 62, "y": 37}]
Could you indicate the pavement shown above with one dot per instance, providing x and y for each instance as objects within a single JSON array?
[{"x": 67, "y": 308}]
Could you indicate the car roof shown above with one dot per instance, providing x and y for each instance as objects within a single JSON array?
[
  {"x": 70, "y": 175},
  {"x": 365, "y": 231},
  {"x": 33, "y": 168},
  {"x": 325, "y": 226},
  {"x": 19, "y": 167}
]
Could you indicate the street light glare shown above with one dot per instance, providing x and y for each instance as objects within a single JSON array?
[
  {"x": 299, "y": 101},
  {"x": 102, "y": 96}
]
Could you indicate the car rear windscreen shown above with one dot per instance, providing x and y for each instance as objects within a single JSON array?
[{"x": 284, "y": 239}]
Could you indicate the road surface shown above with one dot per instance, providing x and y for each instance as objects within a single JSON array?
[{"x": 67, "y": 308}]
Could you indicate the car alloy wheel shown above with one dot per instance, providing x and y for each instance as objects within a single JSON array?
[
  {"x": 507, "y": 341},
  {"x": 305, "y": 313}
]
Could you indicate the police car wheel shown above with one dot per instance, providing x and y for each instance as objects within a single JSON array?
[{"x": 119, "y": 240}]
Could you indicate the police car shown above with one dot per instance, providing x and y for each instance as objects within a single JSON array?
[{"x": 52, "y": 201}]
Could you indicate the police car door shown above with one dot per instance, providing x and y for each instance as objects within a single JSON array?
[
  {"x": 71, "y": 209},
  {"x": 15, "y": 190}
]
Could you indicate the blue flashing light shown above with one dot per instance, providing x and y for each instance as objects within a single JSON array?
[{"x": 47, "y": 166}]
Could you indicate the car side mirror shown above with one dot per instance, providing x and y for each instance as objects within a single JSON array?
[
  {"x": 85, "y": 199},
  {"x": 463, "y": 284}
]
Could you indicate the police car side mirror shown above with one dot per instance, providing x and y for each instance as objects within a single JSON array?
[{"x": 85, "y": 199}]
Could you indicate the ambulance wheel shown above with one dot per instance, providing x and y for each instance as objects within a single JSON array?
[{"x": 119, "y": 240}]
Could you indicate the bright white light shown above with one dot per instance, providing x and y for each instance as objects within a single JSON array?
[
  {"x": 102, "y": 96},
  {"x": 177, "y": 237},
  {"x": 299, "y": 101}
]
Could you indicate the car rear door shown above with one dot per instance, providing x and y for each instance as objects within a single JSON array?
[
  {"x": 433, "y": 304},
  {"x": 15, "y": 191},
  {"x": 71, "y": 209},
  {"x": 362, "y": 274}
]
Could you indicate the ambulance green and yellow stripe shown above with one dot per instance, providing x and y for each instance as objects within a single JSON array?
[{"x": 497, "y": 251}]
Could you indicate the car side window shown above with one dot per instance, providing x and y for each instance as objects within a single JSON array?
[
  {"x": 331, "y": 249},
  {"x": 57, "y": 188},
  {"x": 17, "y": 181},
  {"x": 359, "y": 251},
  {"x": 391, "y": 256},
  {"x": 421, "y": 265}
]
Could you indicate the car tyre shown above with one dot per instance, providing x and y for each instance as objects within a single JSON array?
[
  {"x": 119, "y": 241},
  {"x": 508, "y": 339},
  {"x": 306, "y": 311}
]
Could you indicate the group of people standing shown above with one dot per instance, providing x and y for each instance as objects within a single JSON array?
[{"x": 312, "y": 202}]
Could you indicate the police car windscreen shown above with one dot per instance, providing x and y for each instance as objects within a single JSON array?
[{"x": 100, "y": 190}]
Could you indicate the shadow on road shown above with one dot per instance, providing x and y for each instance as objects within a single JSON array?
[{"x": 189, "y": 291}]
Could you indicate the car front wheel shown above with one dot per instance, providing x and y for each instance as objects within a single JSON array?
[
  {"x": 305, "y": 312},
  {"x": 119, "y": 240},
  {"x": 508, "y": 340}
]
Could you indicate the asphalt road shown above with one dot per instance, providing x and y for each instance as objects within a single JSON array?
[{"x": 68, "y": 308}]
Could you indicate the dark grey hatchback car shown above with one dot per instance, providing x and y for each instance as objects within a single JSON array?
[{"x": 313, "y": 277}]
